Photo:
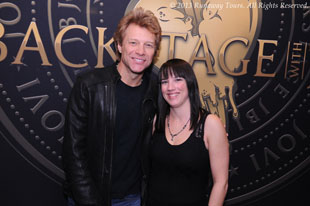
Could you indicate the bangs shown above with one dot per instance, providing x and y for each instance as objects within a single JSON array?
[
  {"x": 165, "y": 72},
  {"x": 180, "y": 69}
]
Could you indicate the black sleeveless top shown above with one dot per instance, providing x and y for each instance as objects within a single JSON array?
[{"x": 179, "y": 173}]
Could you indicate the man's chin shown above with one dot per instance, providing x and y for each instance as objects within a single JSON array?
[{"x": 139, "y": 71}]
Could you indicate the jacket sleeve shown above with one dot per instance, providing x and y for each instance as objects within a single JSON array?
[{"x": 79, "y": 180}]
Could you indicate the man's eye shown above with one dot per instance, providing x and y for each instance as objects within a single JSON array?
[
  {"x": 132, "y": 42},
  {"x": 149, "y": 46}
]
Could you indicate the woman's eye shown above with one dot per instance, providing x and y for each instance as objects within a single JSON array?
[
  {"x": 164, "y": 81},
  {"x": 179, "y": 79}
]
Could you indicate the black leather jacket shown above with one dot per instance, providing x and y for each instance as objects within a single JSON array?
[{"x": 89, "y": 133}]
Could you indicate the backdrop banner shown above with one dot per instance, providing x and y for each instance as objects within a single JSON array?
[{"x": 251, "y": 59}]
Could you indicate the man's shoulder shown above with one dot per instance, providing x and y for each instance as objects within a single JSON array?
[{"x": 99, "y": 75}]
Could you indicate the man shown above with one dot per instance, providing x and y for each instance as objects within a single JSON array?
[{"x": 110, "y": 112}]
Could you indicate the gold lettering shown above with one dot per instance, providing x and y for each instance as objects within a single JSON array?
[
  {"x": 295, "y": 56},
  {"x": 297, "y": 46},
  {"x": 3, "y": 48},
  {"x": 102, "y": 46},
  {"x": 58, "y": 43},
  {"x": 261, "y": 57},
  {"x": 294, "y": 71},
  {"x": 293, "y": 74},
  {"x": 40, "y": 48},
  {"x": 172, "y": 37},
  {"x": 222, "y": 57},
  {"x": 295, "y": 62},
  {"x": 207, "y": 59}
]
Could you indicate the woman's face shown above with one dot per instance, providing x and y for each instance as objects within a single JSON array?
[{"x": 175, "y": 91}]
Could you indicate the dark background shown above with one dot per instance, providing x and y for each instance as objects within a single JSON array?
[{"x": 22, "y": 184}]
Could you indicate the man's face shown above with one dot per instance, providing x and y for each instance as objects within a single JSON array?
[{"x": 138, "y": 49}]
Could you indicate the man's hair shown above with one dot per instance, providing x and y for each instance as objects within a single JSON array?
[
  {"x": 143, "y": 18},
  {"x": 179, "y": 68}
]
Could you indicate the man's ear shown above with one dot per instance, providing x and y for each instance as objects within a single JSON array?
[{"x": 119, "y": 47}]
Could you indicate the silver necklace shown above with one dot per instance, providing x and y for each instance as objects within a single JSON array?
[{"x": 176, "y": 134}]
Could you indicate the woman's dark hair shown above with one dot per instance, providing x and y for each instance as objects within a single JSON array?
[{"x": 179, "y": 68}]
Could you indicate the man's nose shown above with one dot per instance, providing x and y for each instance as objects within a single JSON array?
[{"x": 140, "y": 49}]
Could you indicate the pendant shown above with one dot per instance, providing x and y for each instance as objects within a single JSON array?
[{"x": 172, "y": 137}]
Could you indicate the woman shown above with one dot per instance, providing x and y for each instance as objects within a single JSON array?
[{"x": 188, "y": 143}]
